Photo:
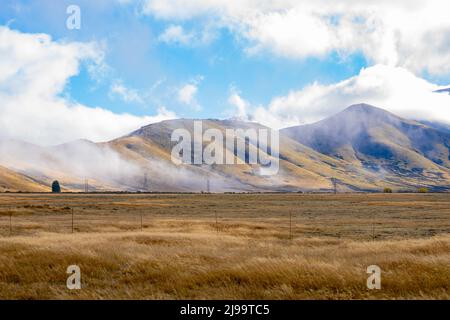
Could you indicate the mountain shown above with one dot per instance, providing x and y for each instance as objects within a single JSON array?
[
  {"x": 400, "y": 150},
  {"x": 301, "y": 167},
  {"x": 151, "y": 146},
  {"x": 13, "y": 181},
  {"x": 362, "y": 148}
]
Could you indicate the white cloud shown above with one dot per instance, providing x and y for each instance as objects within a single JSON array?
[
  {"x": 176, "y": 34},
  {"x": 188, "y": 92},
  {"x": 34, "y": 70},
  {"x": 407, "y": 33},
  {"x": 392, "y": 88},
  {"x": 126, "y": 94},
  {"x": 241, "y": 106}
]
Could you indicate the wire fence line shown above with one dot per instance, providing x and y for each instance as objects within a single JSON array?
[
  {"x": 76, "y": 220},
  {"x": 73, "y": 220},
  {"x": 283, "y": 223}
]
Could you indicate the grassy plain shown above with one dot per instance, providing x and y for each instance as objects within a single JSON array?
[{"x": 225, "y": 246}]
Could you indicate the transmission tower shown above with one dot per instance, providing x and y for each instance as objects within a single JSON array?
[
  {"x": 334, "y": 180},
  {"x": 145, "y": 184}
]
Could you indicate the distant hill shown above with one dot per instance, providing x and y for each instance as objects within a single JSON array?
[
  {"x": 13, "y": 181},
  {"x": 363, "y": 148}
]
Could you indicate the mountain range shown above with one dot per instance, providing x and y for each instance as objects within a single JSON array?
[{"x": 362, "y": 148}]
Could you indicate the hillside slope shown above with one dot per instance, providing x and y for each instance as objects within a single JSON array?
[{"x": 12, "y": 181}]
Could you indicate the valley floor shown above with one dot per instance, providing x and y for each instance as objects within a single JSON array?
[{"x": 227, "y": 246}]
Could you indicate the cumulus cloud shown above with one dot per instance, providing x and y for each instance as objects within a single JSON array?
[
  {"x": 34, "y": 71},
  {"x": 241, "y": 106},
  {"x": 408, "y": 33},
  {"x": 187, "y": 93},
  {"x": 392, "y": 88},
  {"x": 126, "y": 94},
  {"x": 176, "y": 34}
]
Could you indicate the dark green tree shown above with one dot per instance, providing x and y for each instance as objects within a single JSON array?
[{"x": 56, "y": 188}]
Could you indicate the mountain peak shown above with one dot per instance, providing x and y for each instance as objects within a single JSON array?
[
  {"x": 364, "y": 107},
  {"x": 364, "y": 113}
]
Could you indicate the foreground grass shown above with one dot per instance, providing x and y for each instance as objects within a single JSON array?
[
  {"x": 141, "y": 265},
  {"x": 192, "y": 257}
]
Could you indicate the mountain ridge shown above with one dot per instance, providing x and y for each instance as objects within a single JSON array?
[{"x": 363, "y": 148}]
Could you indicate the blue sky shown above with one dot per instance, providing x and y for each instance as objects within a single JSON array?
[
  {"x": 277, "y": 62},
  {"x": 136, "y": 57}
]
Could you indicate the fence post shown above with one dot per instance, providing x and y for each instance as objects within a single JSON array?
[
  {"x": 72, "y": 220},
  {"x": 373, "y": 226},
  {"x": 10, "y": 223},
  {"x": 290, "y": 225},
  {"x": 142, "y": 226},
  {"x": 373, "y": 231},
  {"x": 217, "y": 224}
]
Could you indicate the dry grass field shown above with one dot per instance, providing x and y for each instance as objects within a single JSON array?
[{"x": 228, "y": 246}]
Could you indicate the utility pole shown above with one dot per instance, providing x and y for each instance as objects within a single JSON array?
[
  {"x": 208, "y": 184},
  {"x": 145, "y": 184},
  {"x": 334, "y": 180},
  {"x": 86, "y": 186},
  {"x": 72, "y": 220}
]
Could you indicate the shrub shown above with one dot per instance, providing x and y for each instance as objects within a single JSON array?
[
  {"x": 423, "y": 190},
  {"x": 387, "y": 190}
]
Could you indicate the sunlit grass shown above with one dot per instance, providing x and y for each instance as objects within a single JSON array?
[{"x": 181, "y": 253}]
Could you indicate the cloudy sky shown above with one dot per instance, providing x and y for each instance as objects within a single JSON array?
[{"x": 279, "y": 62}]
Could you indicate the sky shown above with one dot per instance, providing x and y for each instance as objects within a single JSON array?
[{"x": 281, "y": 63}]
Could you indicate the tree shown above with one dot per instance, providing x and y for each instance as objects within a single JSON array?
[
  {"x": 387, "y": 190},
  {"x": 56, "y": 188}
]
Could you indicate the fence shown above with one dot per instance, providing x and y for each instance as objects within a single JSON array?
[{"x": 286, "y": 227}]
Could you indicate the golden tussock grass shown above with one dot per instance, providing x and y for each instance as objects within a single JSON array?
[{"x": 181, "y": 253}]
